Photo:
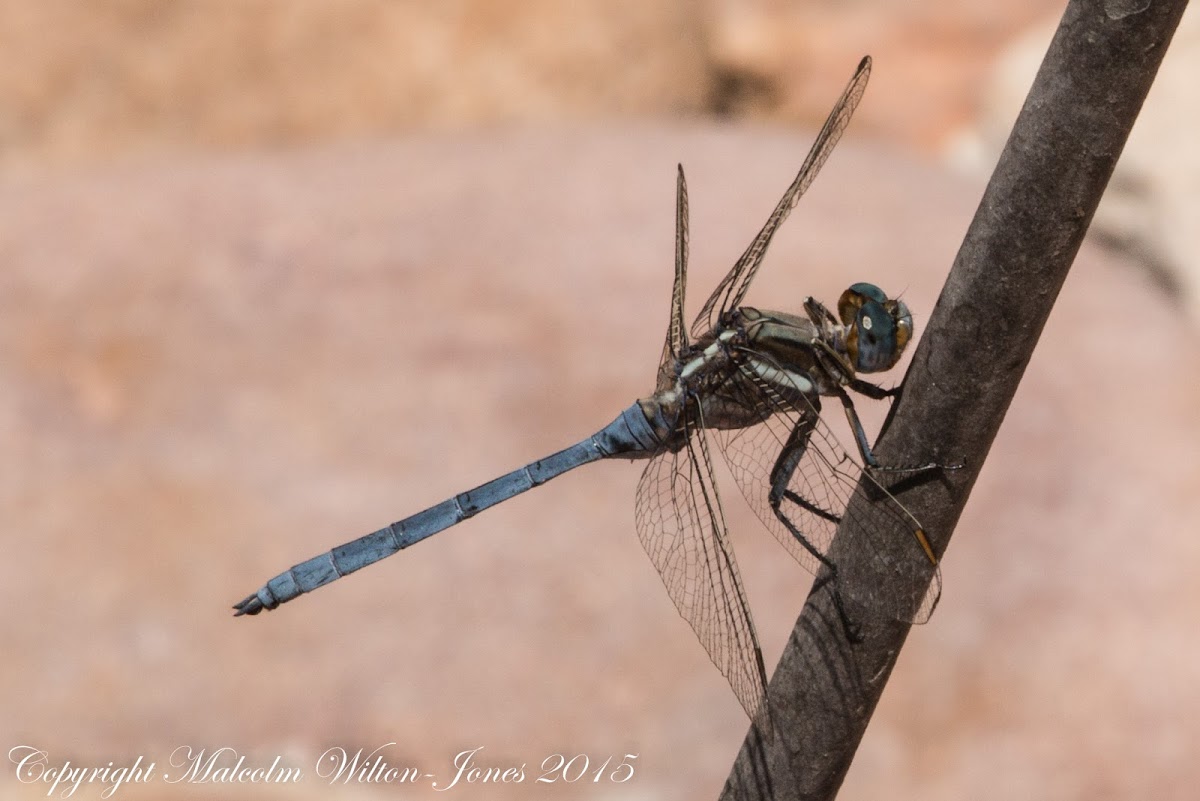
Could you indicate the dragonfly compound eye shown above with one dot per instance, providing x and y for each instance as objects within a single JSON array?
[
  {"x": 899, "y": 313},
  {"x": 852, "y": 300},
  {"x": 880, "y": 333}
]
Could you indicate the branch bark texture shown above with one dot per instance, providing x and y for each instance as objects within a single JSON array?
[{"x": 981, "y": 335}]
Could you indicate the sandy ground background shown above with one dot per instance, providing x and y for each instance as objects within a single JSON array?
[{"x": 274, "y": 275}]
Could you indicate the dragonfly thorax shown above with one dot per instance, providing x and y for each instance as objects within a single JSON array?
[{"x": 698, "y": 371}]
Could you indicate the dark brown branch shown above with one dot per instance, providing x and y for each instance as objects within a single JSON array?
[{"x": 980, "y": 337}]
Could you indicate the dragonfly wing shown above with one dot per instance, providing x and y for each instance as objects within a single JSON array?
[
  {"x": 732, "y": 289},
  {"x": 677, "y": 337},
  {"x": 682, "y": 527},
  {"x": 793, "y": 451}
]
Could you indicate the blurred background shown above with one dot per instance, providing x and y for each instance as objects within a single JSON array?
[{"x": 275, "y": 274}]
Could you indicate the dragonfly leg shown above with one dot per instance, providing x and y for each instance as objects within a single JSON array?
[
  {"x": 860, "y": 436},
  {"x": 856, "y": 427},
  {"x": 872, "y": 390},
  {"x": 781, "y": 476}
]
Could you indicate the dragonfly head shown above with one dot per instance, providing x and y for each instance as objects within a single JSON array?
[{"x": 877, "y": 328}]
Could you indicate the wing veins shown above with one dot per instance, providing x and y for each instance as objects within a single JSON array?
[{"x": 733, "y": 287}]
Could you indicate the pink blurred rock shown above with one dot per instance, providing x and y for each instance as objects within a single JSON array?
[{"x": 87, "y": 82}]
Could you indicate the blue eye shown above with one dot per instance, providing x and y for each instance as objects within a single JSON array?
[
  {"x": 855, "y": 298},
  {"x": 880, "y": 328},
  {"x": 869, "y": 291}
]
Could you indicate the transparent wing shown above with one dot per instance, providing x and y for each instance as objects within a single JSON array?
[
  {"x": 814, "y": 481},
  {"x": 732, "y": 289},
  {"x": 677, "y": 338},
  {"x": 682, "y": 527}
]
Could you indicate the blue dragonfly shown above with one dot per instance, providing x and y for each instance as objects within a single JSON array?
[{"x": 749, "y": 381}]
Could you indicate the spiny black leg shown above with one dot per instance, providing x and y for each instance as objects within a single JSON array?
[
  {"x": 781, "y": 476},
  {"x": 810, "y": 507},
  {"x": 864, "y": 448},
  {"x": 856, "y": 428},
  {"x": 873, "y": 391}
]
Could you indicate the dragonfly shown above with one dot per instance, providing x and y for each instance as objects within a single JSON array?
[{"x": 746, "y": 382}]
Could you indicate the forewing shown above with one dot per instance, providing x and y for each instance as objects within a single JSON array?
[
  {"x": 732, "y": 289},
  {"x": 681, "y": 526},
  {"x": 822, "y": 482},
  {"x": 677, "y": 338}
]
